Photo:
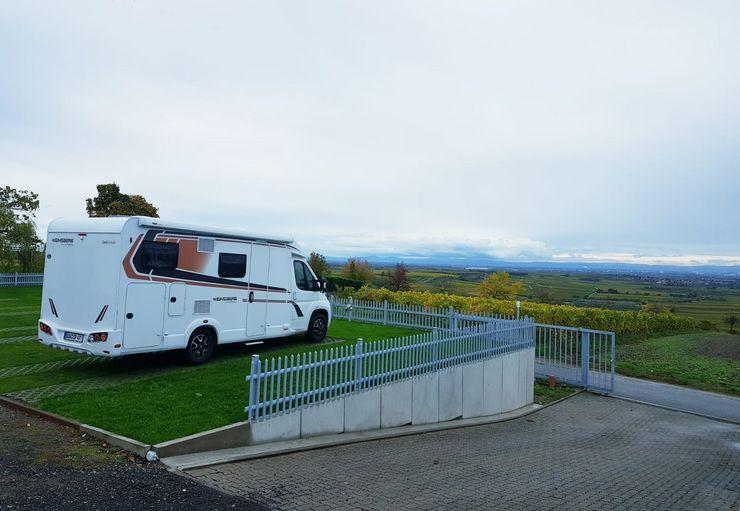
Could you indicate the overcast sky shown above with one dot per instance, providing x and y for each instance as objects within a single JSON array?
[{"x": 599, "y": 131}]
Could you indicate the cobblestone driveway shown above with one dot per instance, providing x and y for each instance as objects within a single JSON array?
[{"x": 588, "y": 452}]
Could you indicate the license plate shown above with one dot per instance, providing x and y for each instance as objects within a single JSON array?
[{"x": 74, "y": 337}]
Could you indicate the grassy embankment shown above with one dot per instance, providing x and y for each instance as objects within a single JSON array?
[{"x": 181, "y": 400}]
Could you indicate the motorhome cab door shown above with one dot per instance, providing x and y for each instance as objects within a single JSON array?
[
  {"x": 303, "y": 293},
  {"x": 259, "y": 273},
  {"x": 144, "y": 318}
]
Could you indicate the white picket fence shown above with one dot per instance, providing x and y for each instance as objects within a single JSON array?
[
  {"x": 280, "y": 385},
  {"x": 21, "y": 279},
  {"x": 579, "y": 356},
  {"x": 411, "y": 316}
]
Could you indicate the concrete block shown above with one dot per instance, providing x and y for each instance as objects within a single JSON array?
[
  {"x": 523, "y": 385},
  {"x": 425, "y": 399},
  {"x": 396, "y": 404},
  {"x": 492, "y": 386},
  {"x": 450, "y": 393},
  {"x": 510, "y": 382},
  {"x": 282, "y": 427},
  {"x": 472, "y": 390},
  {"x": 323, "y": 419},
  {"x": 530, "y": 377},
  {"x": 362, "y": 411}
]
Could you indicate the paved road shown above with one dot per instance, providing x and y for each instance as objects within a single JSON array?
[
  {"x": 663, "y": 394},
  {"x": 682, "y": 398},
  {"x": 589, "y": 452}
]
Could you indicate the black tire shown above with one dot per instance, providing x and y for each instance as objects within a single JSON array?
[
  {"x": 200, "y": 347},
  {"x": 317, "y": 327}
]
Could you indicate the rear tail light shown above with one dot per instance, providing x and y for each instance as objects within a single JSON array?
[
  {"x": 98, "y": 337},
  {"x": 45, "y": 328}
]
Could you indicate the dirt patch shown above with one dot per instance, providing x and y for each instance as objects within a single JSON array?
[
  {"x": 725, "y": 347},
  {"x": 51, "y": 467}
]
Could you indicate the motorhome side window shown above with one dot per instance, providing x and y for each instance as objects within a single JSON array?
[
  {"x": 156, "y": 255},
  {"x": 232, "y": 266},
  {"x": 303, "y": 276}
]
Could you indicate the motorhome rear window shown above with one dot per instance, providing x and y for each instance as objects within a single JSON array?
[
  {"x": 156, "y": 255},
  {"x": 232, "y": 266}
]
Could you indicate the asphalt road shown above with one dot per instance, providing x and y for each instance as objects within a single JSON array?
[
  {"x": 657, "y": 393},
  {"x": 681, "y": 398}
]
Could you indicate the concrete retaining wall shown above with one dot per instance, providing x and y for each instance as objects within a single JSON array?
[{"x": 477, "y": 389}]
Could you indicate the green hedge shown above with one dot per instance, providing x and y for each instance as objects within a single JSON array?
[
  {"x": 332, "y": 283},
  {"x": 621, "y": 322}
]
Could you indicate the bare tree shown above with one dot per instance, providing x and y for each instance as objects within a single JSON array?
[
  {"x": 398, "y": 279},
  {"x": 730, "y": 321}
]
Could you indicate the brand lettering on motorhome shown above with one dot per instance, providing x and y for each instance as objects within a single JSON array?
[
  {"x": 224, "y": 298},
  {"x": 63, "y": 240}
]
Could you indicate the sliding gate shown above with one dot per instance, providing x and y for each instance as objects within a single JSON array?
[{"x": 577, "y": 356}]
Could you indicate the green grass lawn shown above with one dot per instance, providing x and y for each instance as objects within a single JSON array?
[
  {"x": 707, "y": 360},
  {"x": 188, "y": 400},
  {"x": 181, "y": 400},
  {"x": 354, "y": 330},
  {"x": 19, "y": 306},
  {"x": 27, "y": 353}
]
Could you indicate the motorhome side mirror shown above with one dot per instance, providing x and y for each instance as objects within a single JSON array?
[{"x": 315, "y": 285}]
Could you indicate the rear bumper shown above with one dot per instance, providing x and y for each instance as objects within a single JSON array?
[{"x": 99, "y": 349}]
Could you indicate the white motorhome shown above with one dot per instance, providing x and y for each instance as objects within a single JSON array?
[{"x": 122, "y": 285}]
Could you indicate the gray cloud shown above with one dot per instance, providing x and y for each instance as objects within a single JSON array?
[{"x": 521, "y": 130}]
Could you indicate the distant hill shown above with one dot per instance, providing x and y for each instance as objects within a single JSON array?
[{"x": 481, "y": 262}]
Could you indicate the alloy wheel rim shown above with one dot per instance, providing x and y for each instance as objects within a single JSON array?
[
  {"x": 199, "y": 346},
  {"x": 318, "y": 326}
]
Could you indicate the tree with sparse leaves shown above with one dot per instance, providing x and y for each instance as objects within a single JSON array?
[
  {"x": 544, "y": 296},
  {"x": 398, "y": 278},
  {"x": 318, "y": 264},
  {"x": 730, "y": 321},
  {"x": 19, "y": 245},
  {"x": 357, "y": 269},
  {"x": 111, "y": 202},
  {"x": 499, "y": 285}
]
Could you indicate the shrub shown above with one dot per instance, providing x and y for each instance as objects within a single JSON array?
[
  {"x": 707, "y": 325},
  {"x": 333, "y": 282},
  {"x": 622, "y": 322}
]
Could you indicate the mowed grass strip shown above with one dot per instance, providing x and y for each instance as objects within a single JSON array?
[
  {"x": 27, "y": 353},
  {"x": 706, "y": 361},
  {"x": 193, "y": 399},
  {"x": 19, "y": 306}
]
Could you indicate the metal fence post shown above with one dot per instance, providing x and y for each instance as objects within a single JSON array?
[
  {"x": 611, "y": 358},
  {"x": 489, "y": 336},
  {"x": 385, "y": 312},
  {"x": 585, "y": 348},
  {"x": 518, "y": 309},
  {"x": 435, "y": 349},
  {"x": 358, "y": 364},
  {"x": 253, "y": 387},
  {"x": 351, "y": 303},
  {"x": 16, "y": 279}
]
